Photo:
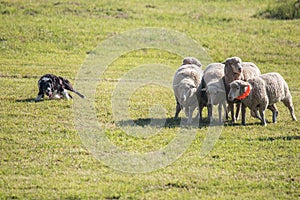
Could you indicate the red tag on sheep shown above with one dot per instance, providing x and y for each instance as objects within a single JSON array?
[{"x": 245, "y": 94}]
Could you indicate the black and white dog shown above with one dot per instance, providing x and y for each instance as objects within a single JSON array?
[{"x": 55, "y": 87}]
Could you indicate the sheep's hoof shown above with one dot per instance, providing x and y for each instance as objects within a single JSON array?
[{"x": 264, "y": 124}]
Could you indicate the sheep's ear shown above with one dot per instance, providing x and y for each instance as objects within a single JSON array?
[
  {"x": 193, "y": 91},
  {"x": 244, "y": 84},
  {"x": 226, "y": 61}
]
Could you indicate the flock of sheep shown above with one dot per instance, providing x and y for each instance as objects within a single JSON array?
[{"x": 228, "y": 83}]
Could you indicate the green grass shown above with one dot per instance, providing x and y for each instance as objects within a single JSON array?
[{"x": 41, "y": 153}]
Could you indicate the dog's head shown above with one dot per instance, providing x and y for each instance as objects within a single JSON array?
[{"x": 46, "y": 86}]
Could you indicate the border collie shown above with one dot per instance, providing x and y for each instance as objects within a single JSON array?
[{"x": 55, "y": 87}]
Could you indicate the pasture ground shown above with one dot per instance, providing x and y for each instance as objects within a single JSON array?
[{"x": 41, "y": 154}]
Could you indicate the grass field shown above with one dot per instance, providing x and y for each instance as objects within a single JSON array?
[{"x": 41, "y": 153}]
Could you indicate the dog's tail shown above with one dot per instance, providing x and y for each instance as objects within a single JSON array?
[{"x": 81, "y": 95}]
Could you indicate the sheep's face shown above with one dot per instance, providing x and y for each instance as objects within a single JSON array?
[
  {"x": 186, "y": 91},
  {"x": 235, "y": 64},
  {"x": 237, "y": 88}
]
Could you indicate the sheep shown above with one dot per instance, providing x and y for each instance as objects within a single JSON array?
[
  {"x": 235, "y": 69},
  {"x": 185, "y": 83},
  {"x": 213, "y": 85},
  {"x": 191, "y": 60},
  {"x": 262, "y": 92}
]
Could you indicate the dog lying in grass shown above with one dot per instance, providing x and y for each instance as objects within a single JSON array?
[{"x": 55, "y": 87}]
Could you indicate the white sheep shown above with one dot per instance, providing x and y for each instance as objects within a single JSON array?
[
  {"x": 185, "y": 83},
  {"x": 191, "y": 60},
  {"x": 262, "y": 92},
  {"x": 214, "y": 88},
  {"x": 235, "y": 69}
]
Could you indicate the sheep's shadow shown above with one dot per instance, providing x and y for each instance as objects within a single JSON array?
[
  {"x": 166, "y": 123},
  {"x": 162, "y": 123},
  {"x": 286, "y": 138},
  {"x": 239, "y": 124},
  {"x": 155, "y": 122}
]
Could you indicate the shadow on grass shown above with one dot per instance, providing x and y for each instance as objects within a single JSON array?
[
  {"x": 32, "y": 100},
  {"x": 25, "y": 100},
  {"x": 155, "y": 122},
  {"x": 239, "y": 124},
  {"x": 164, "y": 123},
  {"x": 286, "y": 138}
]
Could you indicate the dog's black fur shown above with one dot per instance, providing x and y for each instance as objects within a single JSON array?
[{"x": 55, "y": 87}]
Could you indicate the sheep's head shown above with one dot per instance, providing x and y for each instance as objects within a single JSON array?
[
  {"x": 233, "y": 65},
  {"x": 215, "y": 95},
  {"x": 187, "y": 91},
  {"x": 191, "y": 60},
  {"x": 237, "y": 88}
]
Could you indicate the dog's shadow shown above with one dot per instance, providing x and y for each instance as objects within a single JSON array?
[
  {"x": 31, "y": 100},
  {"x": 25, "y": 100}
]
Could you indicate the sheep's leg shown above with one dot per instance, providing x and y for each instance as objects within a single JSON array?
[
  {"x": 200, "y": 114},
  {"x": 190, "y": 115},
  {"x": 274, "y": 110},
  {"x": 243, "y": 115},
  {"x": 187, "y": 111},
  {"x": 262, "y": 115},
  {"x": 225, "y": 110},
  {"x": 178, "y": 109},
  {"x": 256, "y": 113},
  {"x": 220, "y": 112},
  {"x": 289, "y": 104},
  {"x": 209, "y": 110},
  {"x": 238, "y": 110},
  {"x": 231, "y": 108}
]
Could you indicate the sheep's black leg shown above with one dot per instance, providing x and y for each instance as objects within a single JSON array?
[
  {"x": 200, "y": 115},
  {"x": 209, "y": 110},
  {"x": 243, "y": 115},
  {"x": 178, "y": 109},
  {"x": 220, "y": 112},
  {"x": 274, "y": 110},
  {"x": 238, "y": 110}
]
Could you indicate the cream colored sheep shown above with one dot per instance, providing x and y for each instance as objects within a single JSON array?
[
  {"x": 185, "y": 83},
  {"x": 262, "y": 92},
  {"x": 214, "y": 88},
  {"x": 235, "y": 69}
]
